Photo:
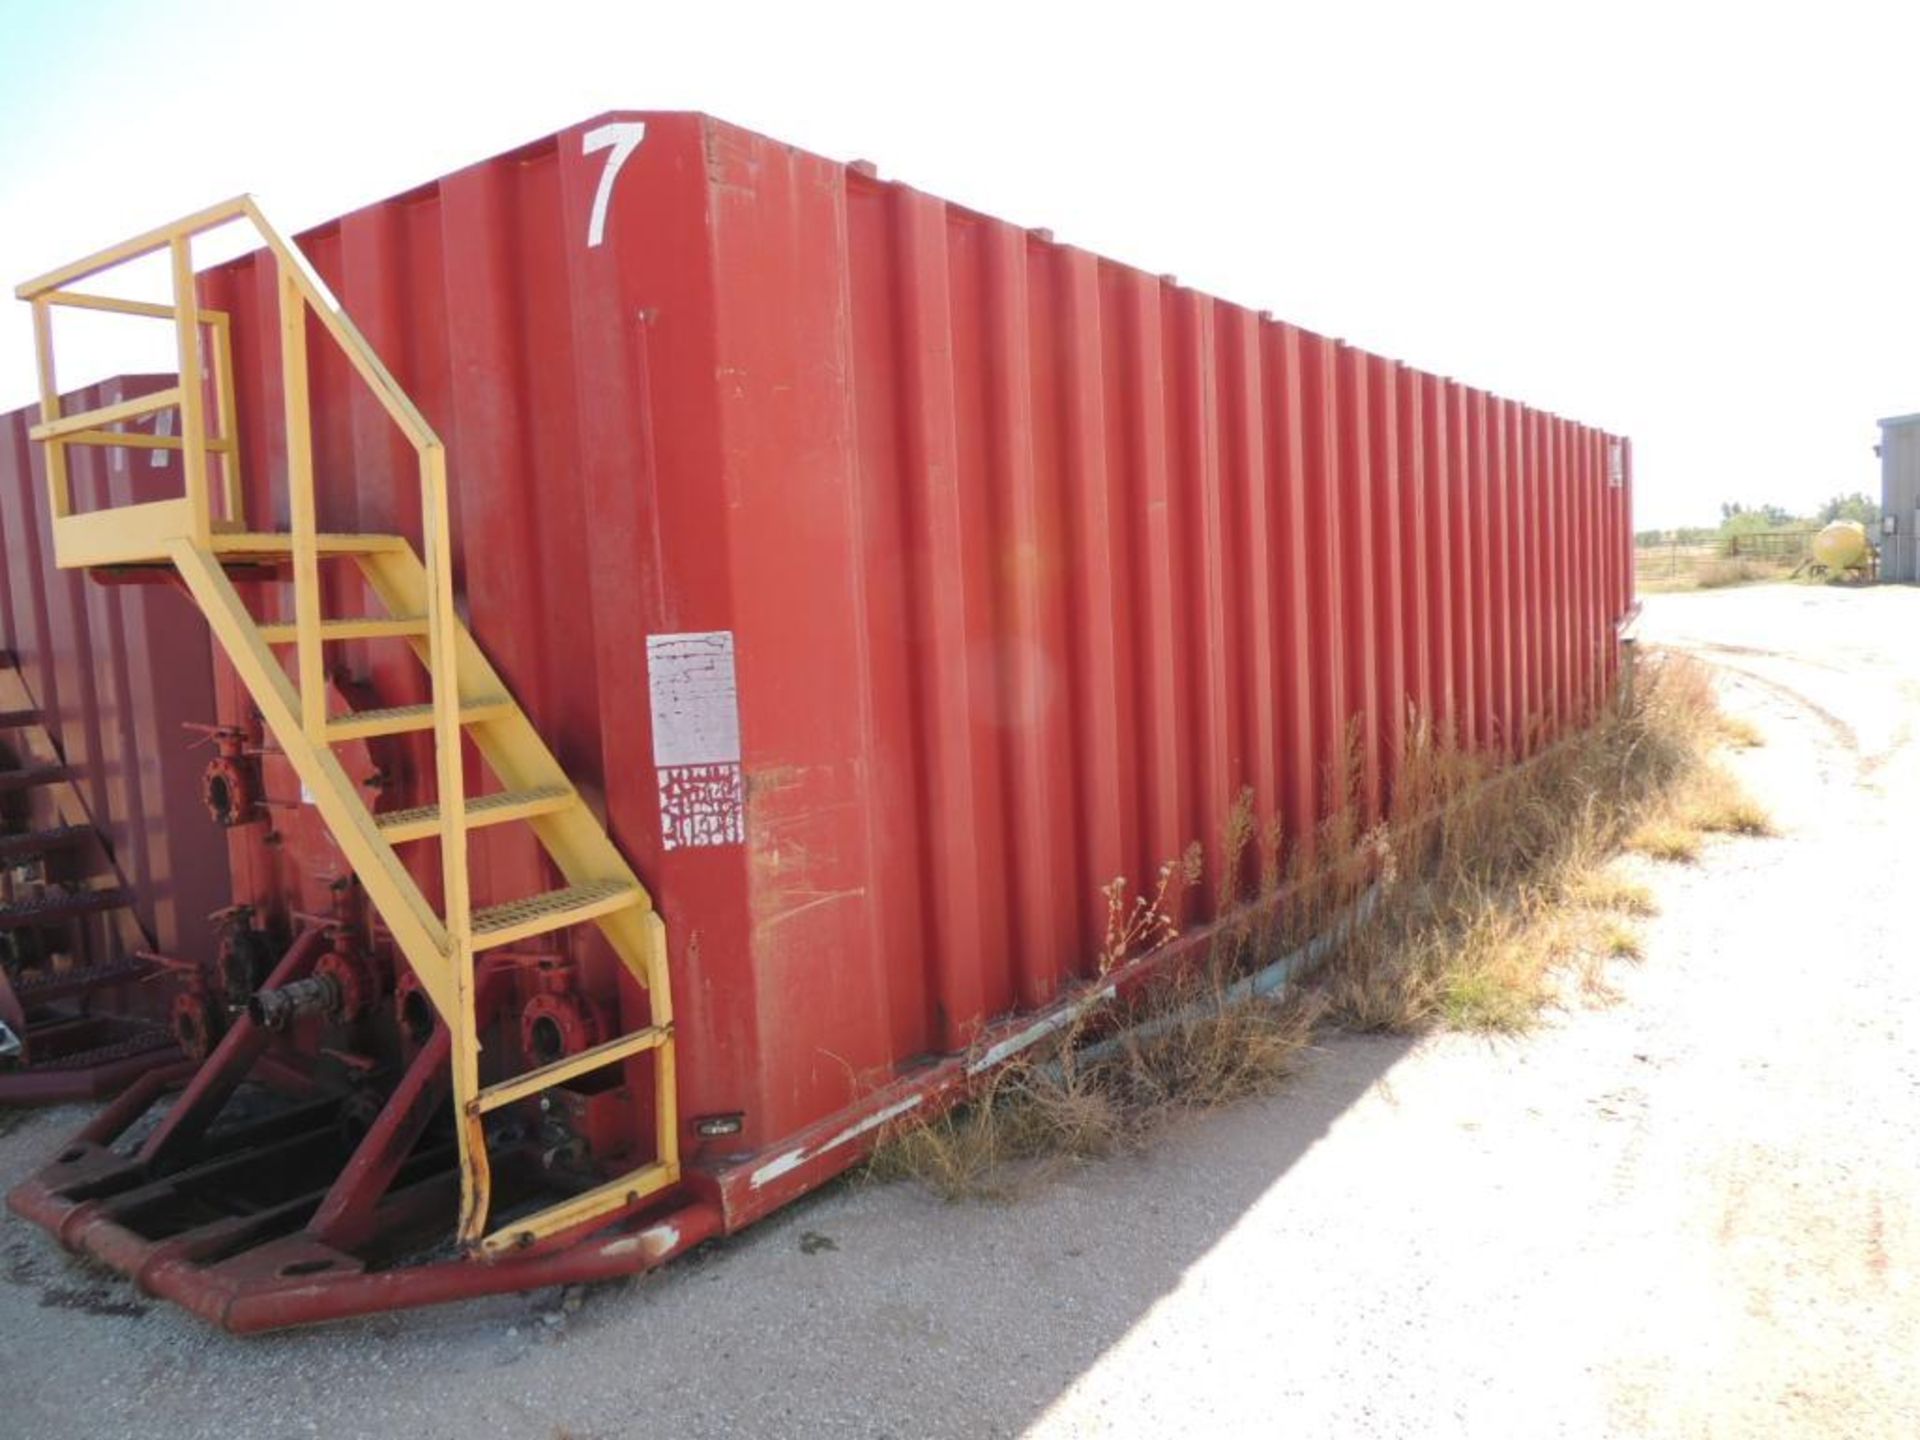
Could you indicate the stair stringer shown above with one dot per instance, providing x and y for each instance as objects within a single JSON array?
[
  {"x": 403, "y": 908},
  {"x": 514, "y": 749}
]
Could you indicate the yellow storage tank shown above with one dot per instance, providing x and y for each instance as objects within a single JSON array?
[{"x": 1842, "y": 545}]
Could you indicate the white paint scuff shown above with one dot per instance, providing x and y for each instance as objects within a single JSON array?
[
  {"x": 1039, "y": 1030},
  {"x": 794, "y": 1159}
]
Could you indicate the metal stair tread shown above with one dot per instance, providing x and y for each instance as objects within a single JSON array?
[
  {"x": 398, "y": 719},
  {"x": 532, "y": 1082},
  {"x": 552, "y": 910},
  {"x": 29, "y": 843},
  {"x": 28, "y": 775},
  {"x": 146, "y": 1038},
  {"x": 621, "y": 1193},
  {"x": 359, "y": 627},
  {"x": 82, "y": 977},
  {"x": 418, "y": 821},
  {"x": 232, "y": 543},
  {"x": 45, "y": 909}
]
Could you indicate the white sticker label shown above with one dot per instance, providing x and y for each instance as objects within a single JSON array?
[
  {"x": 1616, "y": 465},
  {"x": 696, "y": 738}
]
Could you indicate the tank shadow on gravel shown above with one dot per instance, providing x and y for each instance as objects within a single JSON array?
[{"x": 867, "y": 1310}]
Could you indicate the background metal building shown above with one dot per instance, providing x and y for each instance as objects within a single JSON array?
[{"x": 1900, "y": 498}]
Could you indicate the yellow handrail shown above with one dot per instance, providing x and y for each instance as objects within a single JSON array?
[
  {"x": 300, "y": 290},
  {"x": 601, "y": 885}
]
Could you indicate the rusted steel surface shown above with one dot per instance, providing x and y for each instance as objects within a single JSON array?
[
  {"x": 893, "y": 578},
  {"x": 116, "y": 672}
]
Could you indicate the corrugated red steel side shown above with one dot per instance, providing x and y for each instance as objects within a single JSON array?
[
  {"x": 1034, "y": 563},
  {"x": 118, "y": 671}
]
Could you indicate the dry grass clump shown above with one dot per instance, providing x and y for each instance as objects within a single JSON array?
[
  {"x": 1184, "y": 1050},
  {"x": 1483, "y": 898},
  {"x": 1714, "y": 801},
  {"x": 1621, "y": 942},
  {"x": 1604, "y": 888},
  {"x": 1736, "y": 571},
  {"x": 1195, "y": 1040},
  {"x": 1662, "y": 838},
  {"x": 1709, "y": 800},
  {"x": 1515, "y": 887}
]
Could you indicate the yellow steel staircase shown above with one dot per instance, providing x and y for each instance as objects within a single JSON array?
[{"x": 469, "y": 698}]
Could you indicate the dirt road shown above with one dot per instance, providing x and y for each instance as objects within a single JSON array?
[{"x": 1695, "y": 1212}]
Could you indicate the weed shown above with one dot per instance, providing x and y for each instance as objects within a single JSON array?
[
  {"x": 1666, "y": 839},
  {"x": 1714, "y": 801},
  {"x": 1618, "y": 942},
  {"x": 1513, "y": 882},
  {"x": 1605, "y": 889},
  {"x": 1722, "y": 573}
]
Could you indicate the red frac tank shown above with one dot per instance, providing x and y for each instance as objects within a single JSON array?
[
  {"x": 1027, "y": 563},
  {"x": 894, "y": 578}
]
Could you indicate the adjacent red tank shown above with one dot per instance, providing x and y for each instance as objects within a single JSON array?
[
  {"x": 895, "y": 578},
  {"x": 110, "y": 680}
]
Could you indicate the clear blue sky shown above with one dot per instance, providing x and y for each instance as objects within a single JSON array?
[{"x": 1696, "y": 224}]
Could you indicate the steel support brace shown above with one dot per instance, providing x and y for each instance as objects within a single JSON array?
[
  {"x": 232, "y": 1058},
  {"x": 345, "y": 1217}
]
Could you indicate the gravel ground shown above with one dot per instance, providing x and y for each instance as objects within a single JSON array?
[{"x": 1695, "y": 1212}]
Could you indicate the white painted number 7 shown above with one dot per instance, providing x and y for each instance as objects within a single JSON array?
[{"x": 619, "y": 139}]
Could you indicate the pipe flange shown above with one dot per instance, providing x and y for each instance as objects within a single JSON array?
[
  {"x": 229, "y": 791},
  {"x": 196, "y": 1025},
  {"x": 353, "y": 982},
  {"x": 555, "y": 1025}
]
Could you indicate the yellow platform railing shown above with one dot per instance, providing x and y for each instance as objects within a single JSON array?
[
  {"x": 193, "y": 534},
  {"x": 301, "y": 291}
]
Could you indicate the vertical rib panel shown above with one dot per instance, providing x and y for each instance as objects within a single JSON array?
[
  {"x": 968, "y": 924},
  {"x": 1357, "y": 527},
  {"x": 898, "y": 815},
  {"x": 1301, "y": 662},
  {"x": 1519, "y": 579},
  {"x": 1501, "y": 577},
  {"x": 1389, "y": 565},
  {"x": 487, "y": 429},
  {"x": 1582, "y": 567},
  {"x": 1032, "y": 558},
  {"x": 1542, "y": 540},
  {"x": 1126, "y": 511},
  {"x": 1625, "y": 539},
  {"x": 1436, "y": 432},
  {"x": 1212, "y": 646},
  {"x": 1484, "y": 658},
  {"x": 1257, "y": 530},
  {"x": 1164, "y": 685},
  {"x": 1464, "y": 557},
  {"x": 1415, "y": 541},
  {"x": 1100, "y": 602},
  {"x": 1570, "y": 443},
  {"x": 1325, "y": 544},
  {"x": 1597, "y": 552},
  {"x": 1557, "y": 559}
]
